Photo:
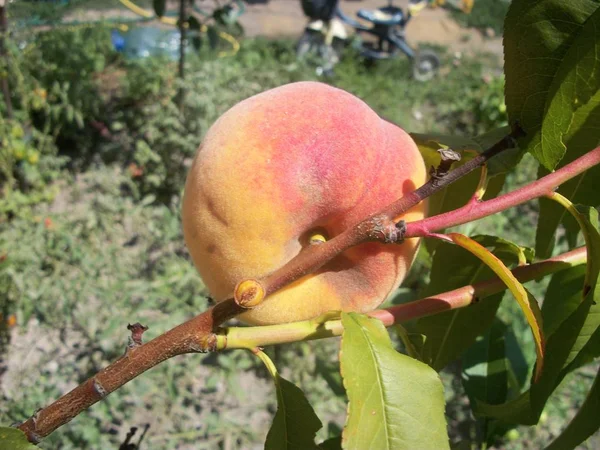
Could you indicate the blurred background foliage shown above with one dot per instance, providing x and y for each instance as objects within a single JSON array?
[{"x": 92, "y": 166}]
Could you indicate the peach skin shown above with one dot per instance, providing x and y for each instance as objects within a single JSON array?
[{"x": 290, "y": 163}]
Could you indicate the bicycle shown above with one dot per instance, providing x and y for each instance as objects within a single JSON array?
[{"x": 325, "y": 36}]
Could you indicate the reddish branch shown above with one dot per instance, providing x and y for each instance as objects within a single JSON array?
[
  {"x": 197, "y": 335},
  {"x": 476, "y": 210},
  {"x": 382, "y": 226},
  {"x": 251, "y": 337}
]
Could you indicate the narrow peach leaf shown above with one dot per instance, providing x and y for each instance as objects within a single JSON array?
[
  {"x": 295, "y": 423},
  {"x": 395, "y": 401},
  {"x": 585, "y": 423},
  {"x": 551, "y": 64},
  {"x": 572, "y": 306},
  {"x": 525, "y": 300}
]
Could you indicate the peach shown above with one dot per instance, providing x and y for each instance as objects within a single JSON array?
[{"x": 276, "y": 168}]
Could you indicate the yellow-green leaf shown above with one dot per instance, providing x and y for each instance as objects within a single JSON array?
[
  {"x": 295, "y": 423},
  {"x": 395, "y": 402},
  {"x": 526, "y": 301},
  {"x": 14, "y": 439}
]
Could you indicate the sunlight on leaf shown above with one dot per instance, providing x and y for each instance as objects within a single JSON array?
[
  {"x": 528, "y": 304},
  {"x": 548, "y": 44},
  {"x": 395, "y": 402},
  {"x": 576, "y": 82}
]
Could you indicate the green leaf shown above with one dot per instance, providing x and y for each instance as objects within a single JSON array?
[
  {"x": 585, "y": 423},
  {"x": 562, "y": 298},
  {"x": 575, "y": 85},
  {"x": 573, "y": 341},
  {"x": 587, "y": 345},
  {"x": 583, "y": 136},
  {"x": 503, "y": 162},
  {"x": 334, "y": 443},
  {"x": 14, "y": 439},
  {"x": 550, "y": 64},
  {"x": 485, "y": 368},
  {"x": 395, "y": 402},
  {"x": 450, "y": 333},
  {"x": 494, "y": 369},
  {"x": 528, "y": 304},
  {"x": 518, "y": 410},
  {"x": 160, "y": 7},
  {"x": 295, "y": 423}
]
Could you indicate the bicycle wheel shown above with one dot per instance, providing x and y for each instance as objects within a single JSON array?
[
  {"x": 308, "y": 43},
  {"x": 425, "y": 65}
]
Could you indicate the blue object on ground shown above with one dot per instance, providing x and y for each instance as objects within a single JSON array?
[{"x": 142, "y": 42}]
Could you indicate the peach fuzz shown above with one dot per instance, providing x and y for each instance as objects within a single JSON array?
[{"x": 282, "y": 165}]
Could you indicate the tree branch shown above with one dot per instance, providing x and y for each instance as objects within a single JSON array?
[
  {"x": 477, "y": 210},
  {"x": 380, "y": 226},
  {"x": 323, "y": 327},
  {"x": 197, "y": 335},
  {"x": 193, "y": 336}
]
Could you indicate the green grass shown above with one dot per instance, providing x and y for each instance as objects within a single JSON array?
[
  {"x": 485, "y": 14},
  {"x": 108, "y": 250}
]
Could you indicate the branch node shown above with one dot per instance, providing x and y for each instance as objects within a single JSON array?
[
  {"x": 206, "y": 344},
  {"x": 34, "y": 438},
  {"x": 137, "y": 329},
  {"x": 99, "y": 388},
  {"x": 449, "y": 157},
  {"x": 401, "y": 227},
  {"x": 382, "y": 228}
]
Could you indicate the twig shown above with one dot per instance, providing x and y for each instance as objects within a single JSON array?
[
  {"x": 477, "y": 210},
  {"x": 379, "y": 227}
]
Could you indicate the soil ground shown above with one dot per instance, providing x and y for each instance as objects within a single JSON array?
[
  {"x": 435, "y": 26},
  {"x": 284, "y": 18}
]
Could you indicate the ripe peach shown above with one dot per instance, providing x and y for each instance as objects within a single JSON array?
[{"x": 282, "y": 165}]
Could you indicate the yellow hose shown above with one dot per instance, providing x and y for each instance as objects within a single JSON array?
[{"x": 172, "y": 21}]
